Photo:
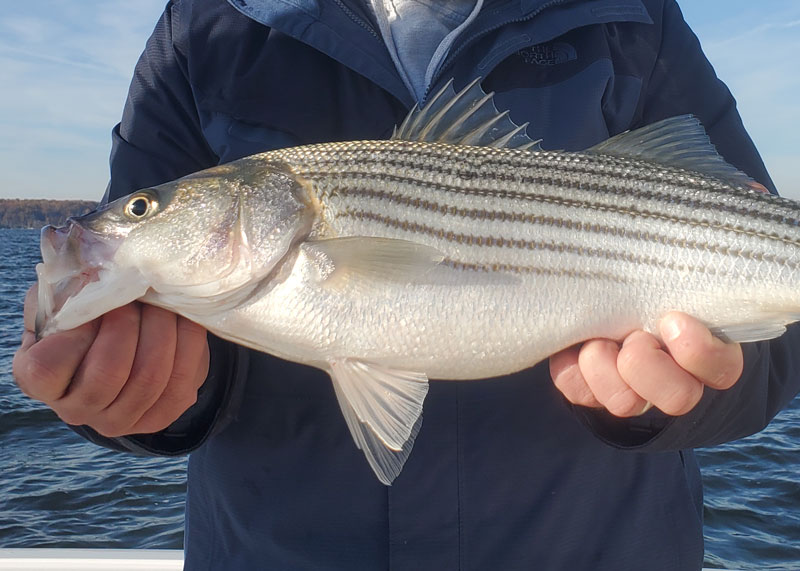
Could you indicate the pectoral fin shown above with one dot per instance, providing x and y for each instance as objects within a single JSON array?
[
  {"x": 372, "y": 259},
  {"x": 383, "y": 410}
]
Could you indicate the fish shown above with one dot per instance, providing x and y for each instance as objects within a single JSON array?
[{"x": 457, "y": 249}]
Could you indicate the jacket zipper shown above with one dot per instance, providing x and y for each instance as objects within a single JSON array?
[
  {"x": 463, "y": 45},
  {"x": 358, "y": 20}
]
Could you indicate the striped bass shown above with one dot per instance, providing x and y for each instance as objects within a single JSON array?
[{"x": 459, "y": 249}]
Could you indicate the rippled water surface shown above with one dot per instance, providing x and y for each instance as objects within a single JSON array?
[
  {"x": 59, "y": 491},
  {"x": 56, "y": 489}
]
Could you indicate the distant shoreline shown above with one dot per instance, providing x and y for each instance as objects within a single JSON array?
[{"x": 35, "y": 213}]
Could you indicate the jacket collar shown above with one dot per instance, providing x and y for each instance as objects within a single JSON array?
[{"x": 346, "y": 31}]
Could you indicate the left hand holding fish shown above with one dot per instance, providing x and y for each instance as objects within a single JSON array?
[{"x": 628, "y": 378}]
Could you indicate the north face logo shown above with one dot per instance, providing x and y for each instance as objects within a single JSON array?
[{"x": 551, "y": 53}]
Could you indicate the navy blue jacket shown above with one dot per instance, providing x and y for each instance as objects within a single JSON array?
[{"x": 505, "y": 474}]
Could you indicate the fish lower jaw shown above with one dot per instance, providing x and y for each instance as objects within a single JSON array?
[
  {"x": 86, "y": 297},
  {"x": 56, "y": 290}
]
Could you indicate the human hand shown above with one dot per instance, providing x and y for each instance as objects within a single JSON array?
[
  {"x": 626, "y": 380},
  {"x": 134, "y": 370}
]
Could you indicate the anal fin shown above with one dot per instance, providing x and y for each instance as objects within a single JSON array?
[
  {"x": 768, "y": 326},
  {"x": 748, "y": 332},
  {"x": 383, "y": 410}
]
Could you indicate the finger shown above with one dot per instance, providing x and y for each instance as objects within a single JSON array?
[
  {"x": 201, "y": 370},
  {"x": 105, "y": 369},
  {"x": 598, "y": 363},
  {"x": 30, "y": 307},
  {"x": 567, "y": 377},
  {"x": 655, "y": 376},
  {"x": 28, "y": 340},
  {"x": 149, "y": 374},
  {"x": 43, "y": 370},
  {"x": 712, "y": 361},
  {"x": 189, "y": 372},
  {"x": 196, "y": 337}
]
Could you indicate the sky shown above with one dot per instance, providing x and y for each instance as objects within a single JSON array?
[{"x": 65, "y": 66}]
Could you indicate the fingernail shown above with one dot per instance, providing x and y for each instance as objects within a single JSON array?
[
  {"x": 670, "y": 329},
  {"x": 647, "y": 406}
]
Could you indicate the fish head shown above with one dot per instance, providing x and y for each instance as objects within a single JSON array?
[{"x": 193, "y": 245}]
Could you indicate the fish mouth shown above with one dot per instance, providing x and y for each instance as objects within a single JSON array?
[{"x": 72, "y": 258}]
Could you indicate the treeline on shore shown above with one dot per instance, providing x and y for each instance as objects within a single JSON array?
[{"x": 25, "y": 213}]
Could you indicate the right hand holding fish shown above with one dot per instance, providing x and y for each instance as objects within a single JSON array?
[
  {"x": 628, "y": 378},
  {"x": 134, "y": 370}
]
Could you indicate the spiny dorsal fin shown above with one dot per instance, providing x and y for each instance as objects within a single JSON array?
[
  {"x": 678, "y": 142},
  {"x": 468, "y": 117}
]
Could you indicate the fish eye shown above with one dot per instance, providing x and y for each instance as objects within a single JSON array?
[{"x": 140, "y": 206}]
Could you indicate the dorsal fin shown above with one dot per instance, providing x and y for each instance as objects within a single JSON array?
[
  {"x": 677, "y": 142},
  {"x": 468, "y": 117}
]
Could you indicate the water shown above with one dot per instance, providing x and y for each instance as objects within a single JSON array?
[
  {"x": 60, "y": 491},
  {"x": 56, "y": 489}
]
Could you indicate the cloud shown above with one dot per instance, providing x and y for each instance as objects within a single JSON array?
[
  {"x": 69, "y": 65},
  {"x": 747, "y": 32}
]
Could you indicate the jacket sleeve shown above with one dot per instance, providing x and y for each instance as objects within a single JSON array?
[
  {"x": 683, "y": 81},
  {"x": 160, "y": 139}
]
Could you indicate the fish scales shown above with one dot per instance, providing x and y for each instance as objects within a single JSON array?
[
  {"x": 614, "y": 179},
  {"x": 433, "y": 192},
  {"x": 561, "y": 252},
  {"x": 386, "y": 263}
]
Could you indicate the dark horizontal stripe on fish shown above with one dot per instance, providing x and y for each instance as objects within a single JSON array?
[
  {"x": 626, "y": 187},
  {"x": 510, "y": 243},
  {"x": 551, "y": 221},
  {"x": 635, "y": 171},
  {"x": 369, "y": 184},
  {"x": 534, "y": 270}
]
